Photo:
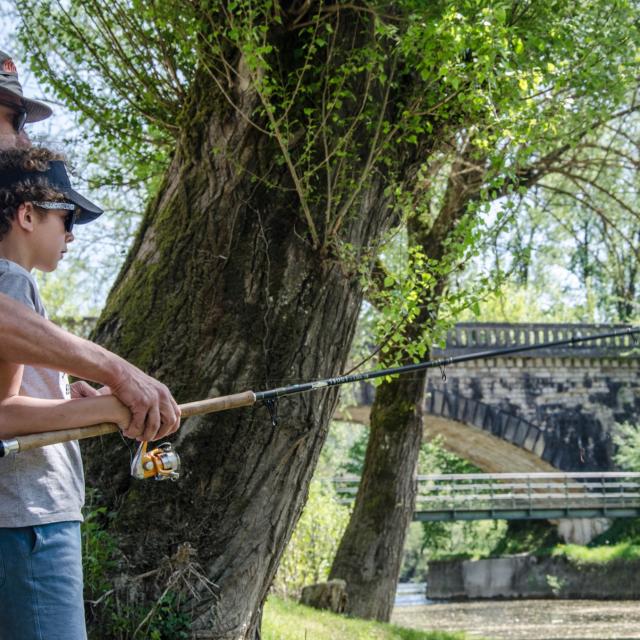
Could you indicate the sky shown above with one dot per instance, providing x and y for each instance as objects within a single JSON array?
[{"x": 80, "y": 286}]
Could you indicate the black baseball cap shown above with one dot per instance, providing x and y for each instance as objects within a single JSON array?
[
  {"x": 57, "y": 178},
  {"x": 11, "y": 91}
]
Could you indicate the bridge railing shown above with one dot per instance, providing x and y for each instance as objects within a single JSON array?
[
  {"x": 532, "y": 491},
  {"x": 468, "y": 337},
  {"x": 517, "y": 491}
]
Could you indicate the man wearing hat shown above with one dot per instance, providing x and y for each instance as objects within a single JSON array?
[
  {"x": 15, "y": 109},
  {"x": 33, "y": 340}
]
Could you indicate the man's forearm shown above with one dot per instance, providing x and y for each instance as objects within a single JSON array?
[{"x": 27, "y": 338}]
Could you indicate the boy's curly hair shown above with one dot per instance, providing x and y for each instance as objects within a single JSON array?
[{"x": 32, "y": 159}]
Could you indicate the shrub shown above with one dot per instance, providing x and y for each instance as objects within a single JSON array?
[{"x": 310, "y": 552}]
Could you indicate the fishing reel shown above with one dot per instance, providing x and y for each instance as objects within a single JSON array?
[{"x": 161, "y": 463}]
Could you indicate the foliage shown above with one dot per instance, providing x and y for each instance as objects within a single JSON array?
[
  {"x": 134, "y": 112},
  {"x": 355, "y": 457},
  {"x": 308, "y": 556},
  {"x": 620, "y": 542},
  {"x": 544, "y": 300},
  {"x": 284, "y": 620},
  {"x": 574, "y": 241},
  {"x": 520, "y": 76},
  {"x": 535, "y": 537},
  {"x": 622, "y": 530},
  {"x": 342, "y": 451},
  {"x": 168, "y": 622},
  {"x": 512, "y": 78},
  {"x": 597, "y": 555},
  {"x": 99, "y": 549},
  {"x": 407, "y": 297},
  {"x": 117, "y": 621},
  {"x": 555, "y": 583},
  {"x": 434, "y": 458},
  {"x": 415, "y": 559},
  {"x": 627, "y": 438},
  {"x": 109, "y": 618},
  {"x": 472, "y": 540}
]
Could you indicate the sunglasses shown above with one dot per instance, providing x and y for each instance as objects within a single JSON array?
[
  {"x": 70, "y": 215},
  {"x": 19, "y": 116}
]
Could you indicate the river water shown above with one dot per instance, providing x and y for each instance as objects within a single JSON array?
[{"x": 524, "y": 619}]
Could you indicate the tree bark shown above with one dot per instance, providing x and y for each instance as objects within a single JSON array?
[{"x": 369, "y": 556}]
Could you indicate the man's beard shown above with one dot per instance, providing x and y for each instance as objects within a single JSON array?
[{"x": 14, "y": 141}]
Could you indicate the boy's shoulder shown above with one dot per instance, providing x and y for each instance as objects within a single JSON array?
[
  {"x": 12, "y": 271},
  {"x": 18, "y": 283},
  {"x": 8, "y": 266}
]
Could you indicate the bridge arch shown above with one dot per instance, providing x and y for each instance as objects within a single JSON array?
[{"x": 485, "y": 436}]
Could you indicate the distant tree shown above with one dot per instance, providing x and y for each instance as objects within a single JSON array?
[
  {"x": 627, "y": 439},
  {"x": 478, "y": 170},
  {"x": 582, "y": 219}
]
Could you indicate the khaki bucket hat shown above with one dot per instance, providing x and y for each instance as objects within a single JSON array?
[{"x": 11, "y": 91}]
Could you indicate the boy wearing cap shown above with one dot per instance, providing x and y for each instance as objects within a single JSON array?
[
  {"x": 155, "y": 413},
  {"x": 41, "y": 491},
  {"x": 15, "y": 109}
]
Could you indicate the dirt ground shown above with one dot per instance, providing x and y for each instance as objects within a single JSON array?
[{"x": 529, "y": 619}]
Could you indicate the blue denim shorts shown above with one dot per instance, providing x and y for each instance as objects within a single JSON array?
[{"x": 41, "y": 583}]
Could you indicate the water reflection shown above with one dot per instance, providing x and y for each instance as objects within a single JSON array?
[{"x": 411, "y": 594}]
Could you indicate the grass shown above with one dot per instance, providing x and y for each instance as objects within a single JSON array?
[
  {"x": 287, "y": 620},
  {"x": 598, "y": 555}
]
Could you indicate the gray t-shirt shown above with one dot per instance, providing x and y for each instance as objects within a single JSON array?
[{"x": 47, "y": 484}]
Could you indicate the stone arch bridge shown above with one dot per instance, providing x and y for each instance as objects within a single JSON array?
[{"x": 554, "y": 408}]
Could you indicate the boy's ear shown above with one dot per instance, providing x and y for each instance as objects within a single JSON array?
[{"x": 25, "y": 216}]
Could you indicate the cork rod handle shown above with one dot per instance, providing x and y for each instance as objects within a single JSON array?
[{"x": 201, "y": 407}]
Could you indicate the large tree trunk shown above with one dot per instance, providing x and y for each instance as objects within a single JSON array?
[
  {"x": 370, "y": 553},
  {"x": 222, "y": 292}
]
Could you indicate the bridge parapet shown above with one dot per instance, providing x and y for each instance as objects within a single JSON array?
[{"x": 470, "y": 337}]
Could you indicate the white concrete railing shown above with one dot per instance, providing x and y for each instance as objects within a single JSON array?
[{"x": 528, "y": 491}]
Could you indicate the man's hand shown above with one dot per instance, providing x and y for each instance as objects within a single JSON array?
[{"x": 155, "y": 414}]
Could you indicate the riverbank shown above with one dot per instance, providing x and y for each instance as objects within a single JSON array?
[
  {"x": 287, "y": 620},
  {"x": 528, "y": 619}
]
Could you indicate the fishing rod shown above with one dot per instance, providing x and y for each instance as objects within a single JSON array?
[{"x": 163, "y": 462}]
